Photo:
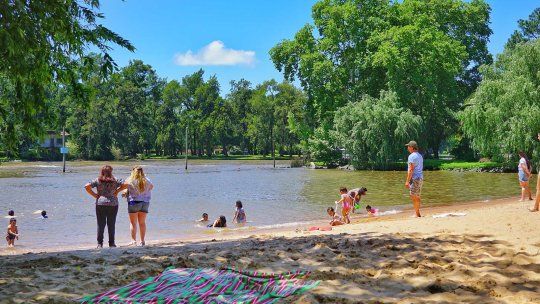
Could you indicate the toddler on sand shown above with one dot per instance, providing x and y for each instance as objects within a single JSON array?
[{"x": 336, "y": 219}]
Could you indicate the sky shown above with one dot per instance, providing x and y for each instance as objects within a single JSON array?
[{"x": 231, "y": 38}]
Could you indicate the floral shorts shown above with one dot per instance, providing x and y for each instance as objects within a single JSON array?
[{"x": 415, "y": 187}]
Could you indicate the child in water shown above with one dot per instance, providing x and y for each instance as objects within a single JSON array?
[
  {"x": 336, "y": 219},
  {"x": 204, "y": 218},
  {"x": 371, "y": 211},
  {"x": 239, "y": 214},
  {"x": 44, "y": 214},
  {"x": 221, "y": 222},
  {"x": 12, "y": 232},
  {"x": 346, "y": 202}
]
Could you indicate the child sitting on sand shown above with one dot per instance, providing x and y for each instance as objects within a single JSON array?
[
  {"x": 12, "y": 232},
  {"x": 371, "y": 211},
  {"x": 346, "y": 202},
  {"x": 221, "y": 222},
  {"x": 204, "y": 218},
  {"x": 239, "y": 214},
  {"x": 336, "y": 219}
]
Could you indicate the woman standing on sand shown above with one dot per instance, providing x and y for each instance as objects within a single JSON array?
[
  {"x": 524, "y": 173},
  {"x": 107, "y": 188},
  {"x": 138, "y": 194}
]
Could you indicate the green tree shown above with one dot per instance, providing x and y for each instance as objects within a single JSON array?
[
  {"x": 428, "y": 52},
  {"x": 503, "y": 116},
  {"x": 42, "y": 44},
  {"x": 261, "y": 119},
  {"x": 168, "y": 120},
  {"x": 239, "y": 97},
  {"x": 373, "y": 130},
  {"x": 528, "y": 30}
]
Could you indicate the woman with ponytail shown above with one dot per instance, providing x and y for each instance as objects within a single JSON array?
[{"x": 139, "y": 190}]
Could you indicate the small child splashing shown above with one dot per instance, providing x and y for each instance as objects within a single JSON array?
[
  {"x": 336, "y": 219},
  {"x": 239, "y": 214},
  {"x": 12, "y": 232},
  {"x": 371, "y": 211}
]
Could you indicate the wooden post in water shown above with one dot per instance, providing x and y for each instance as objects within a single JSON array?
[
  {"x": 64, "y": 147},
  {"x": 186, "y": 146}
]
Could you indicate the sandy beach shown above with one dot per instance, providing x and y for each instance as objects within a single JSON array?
[{"x": 489, "y": 255}]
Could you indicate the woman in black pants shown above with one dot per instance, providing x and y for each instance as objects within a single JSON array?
[{"x": 107, "y": 188}]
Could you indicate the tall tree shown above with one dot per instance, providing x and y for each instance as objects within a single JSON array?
[
  {"x": 168, "y": 120},
  {"x": 528, "y": 29},
  {"x": 427, "y": 51},
  {"x": 42, "y": 43},
  {"x": 239, "y": 97}
]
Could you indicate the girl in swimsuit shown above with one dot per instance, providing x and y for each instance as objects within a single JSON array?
[{"x": 346, "y": 202}]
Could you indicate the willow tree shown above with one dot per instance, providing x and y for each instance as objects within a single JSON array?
[
  {"x": 373, "y": 130},
  {"x": 503, "y": 116}
]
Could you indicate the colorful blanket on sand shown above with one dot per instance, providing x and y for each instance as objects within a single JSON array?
[{"x": 190, "y": 285}]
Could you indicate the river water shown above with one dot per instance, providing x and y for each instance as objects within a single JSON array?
[{"x": 271, "y": 197}]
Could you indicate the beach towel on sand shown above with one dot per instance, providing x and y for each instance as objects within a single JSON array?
[{"x": 189, "y": 285}]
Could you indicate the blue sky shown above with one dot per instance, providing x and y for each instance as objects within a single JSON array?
[{"x": 231, "y": 38}]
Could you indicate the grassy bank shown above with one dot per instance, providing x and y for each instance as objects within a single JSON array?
[
  {"x": 222, "y": 157},
  {"x": 439, "y": 164}
]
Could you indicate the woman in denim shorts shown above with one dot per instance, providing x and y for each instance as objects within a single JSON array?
[{"x": 139, "y": 189}]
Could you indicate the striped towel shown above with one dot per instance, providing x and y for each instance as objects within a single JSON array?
[{"x": 191, "y": 285}]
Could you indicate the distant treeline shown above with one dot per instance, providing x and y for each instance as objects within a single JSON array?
[{"x": 373, "y": 75}]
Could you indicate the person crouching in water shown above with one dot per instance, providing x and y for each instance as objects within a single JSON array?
[
  {"x": 139, "y": 194},
  {"x": 221, "y": 222},
  {"x": 336, "y": 219},
  {"x": 357, "y": 194},
  {"x": 371, "y": 211},
  {"x": 346, "y": 202},
  {"x": 12, "y": 232}
]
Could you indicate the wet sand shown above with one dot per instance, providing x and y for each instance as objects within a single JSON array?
[{"x": 490, "y": 255}]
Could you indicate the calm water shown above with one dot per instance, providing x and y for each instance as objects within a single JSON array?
[{"x": 271, "y": 197}]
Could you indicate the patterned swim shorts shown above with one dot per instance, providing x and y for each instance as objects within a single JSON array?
[{"x": 416, "y": 186}]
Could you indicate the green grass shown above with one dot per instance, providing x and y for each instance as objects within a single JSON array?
[
  {"x": 444, "y": 164},
  {"x": 222, "y": 157}
]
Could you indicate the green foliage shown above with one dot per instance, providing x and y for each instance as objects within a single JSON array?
[
  {"x": 428, "y": 52},
  {"x": 528, "y": 30},
  {"x": 503, "y": 116},
  {"x": 42, "y": 45},
  {"x": 322, "y": 149},
  {"x": 374, "y": 130}
]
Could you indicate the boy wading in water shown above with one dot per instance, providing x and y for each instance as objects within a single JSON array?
[
  {"x": 12, "y": 232},
  {"x": 415, "y": 177}
]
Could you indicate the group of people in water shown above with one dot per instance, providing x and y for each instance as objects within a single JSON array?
[{"x": 137, "y": 189}]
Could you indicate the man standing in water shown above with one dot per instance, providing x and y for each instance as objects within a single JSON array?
[{"x": 415, "y": 176}]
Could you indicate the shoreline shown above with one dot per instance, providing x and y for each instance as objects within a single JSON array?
[
  {"x": 237, "y": 233},
  {"x": 489, "y": 255}
]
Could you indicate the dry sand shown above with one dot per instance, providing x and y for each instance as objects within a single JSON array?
[{"x": 491, "y": 255}]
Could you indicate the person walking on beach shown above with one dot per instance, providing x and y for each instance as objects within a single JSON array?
[
  {"x": 139, "y": 189},
  {"x": 524, "y": 173},
  {"x": 415, "y": 177},
  {"x": 107, "y": 187}
]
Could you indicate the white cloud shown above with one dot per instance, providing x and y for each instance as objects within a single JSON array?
[{"x": 215, "y": 53}]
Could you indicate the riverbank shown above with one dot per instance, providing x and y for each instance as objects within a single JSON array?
[
  {"x": 295, "y": 161},
  {"x": 489, "y": 255}
]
